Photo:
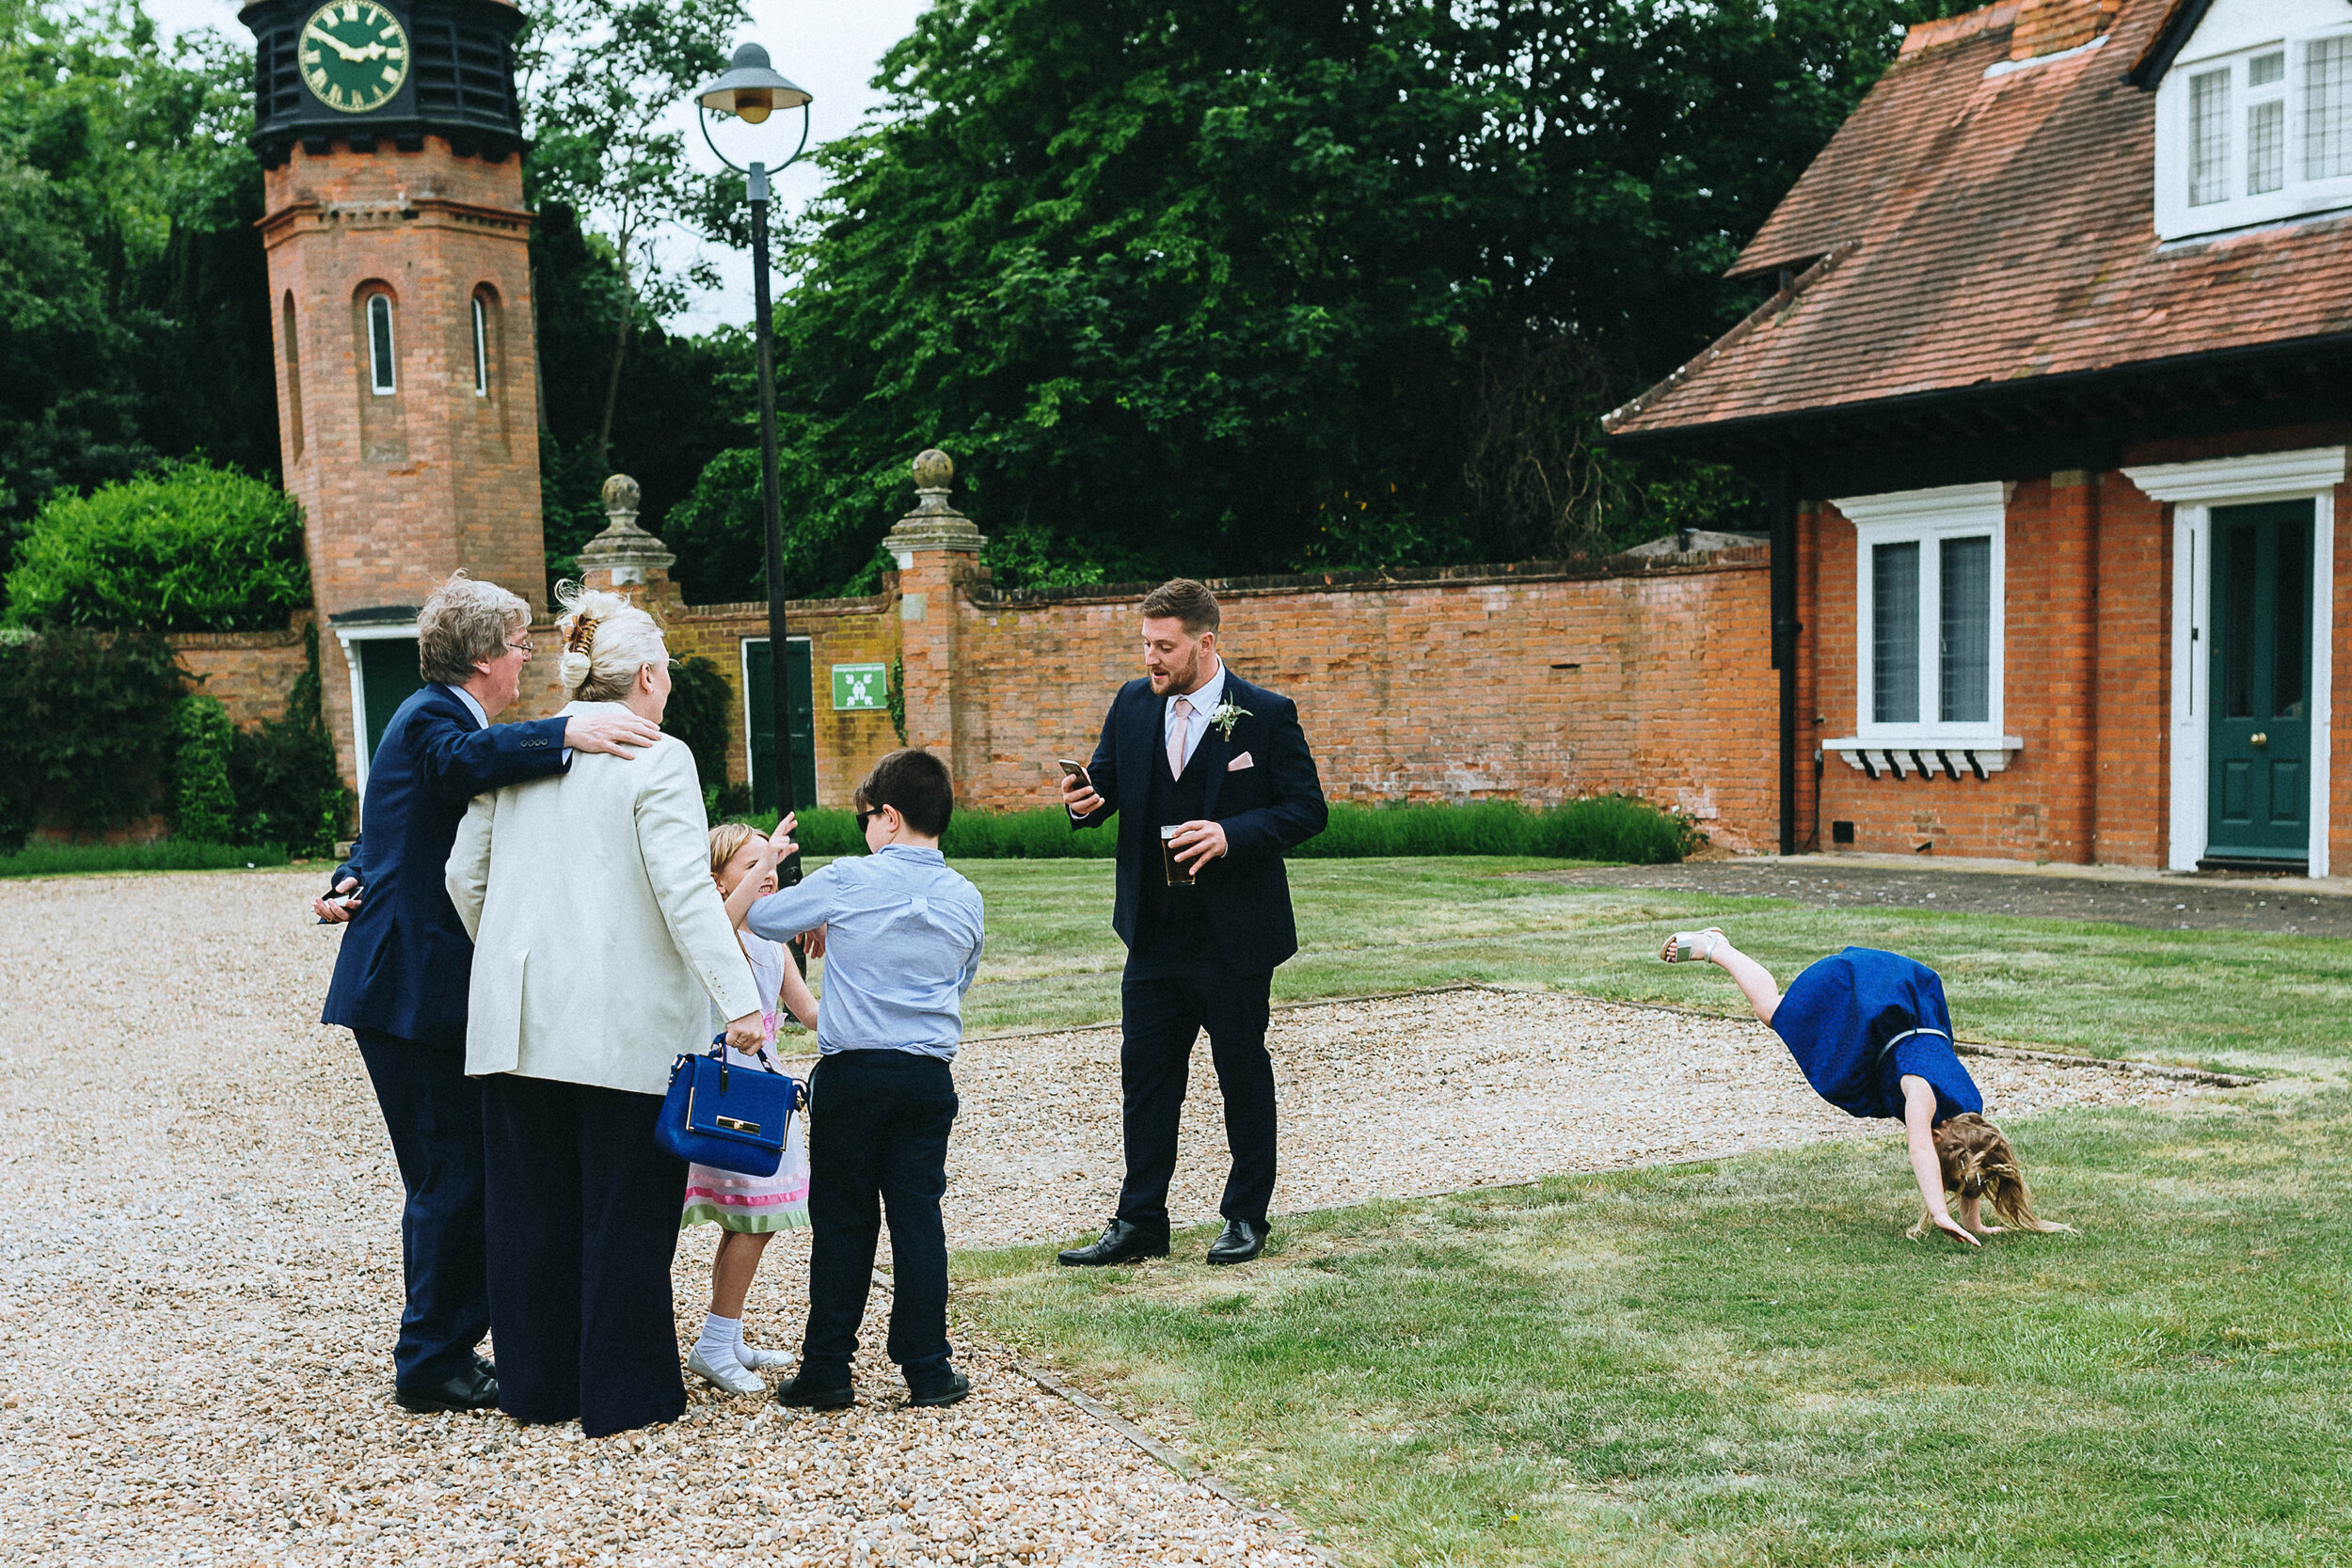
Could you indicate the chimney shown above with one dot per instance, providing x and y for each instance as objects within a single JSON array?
[{"x": 2054, "y": 26}]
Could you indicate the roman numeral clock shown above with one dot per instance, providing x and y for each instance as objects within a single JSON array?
[{"x": 400, "y": 301}]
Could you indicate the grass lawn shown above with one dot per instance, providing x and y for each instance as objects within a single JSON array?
[
  {"x": 1742, "y": 1361},
  {"x": 2232, "y": 1000}
]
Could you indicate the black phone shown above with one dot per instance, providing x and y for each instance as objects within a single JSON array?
[{"x": 1076, "y": 770}]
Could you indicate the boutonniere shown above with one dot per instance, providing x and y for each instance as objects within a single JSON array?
[{"x": 1225, "y": 716}]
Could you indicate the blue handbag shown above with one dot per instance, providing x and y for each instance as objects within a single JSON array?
[{"x": 727, "y": 1117}]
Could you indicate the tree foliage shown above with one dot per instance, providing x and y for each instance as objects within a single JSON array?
[
  {"x": 288, "y": 792},
  {"x": 204, "y": 806},
  {"x": 186, "y": 548},
  {"x": 1232, "y": 285},
  {"x": 93, "y": 739},
  {"x": 130, "y": 273}
]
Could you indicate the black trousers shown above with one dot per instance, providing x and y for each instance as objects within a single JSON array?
[
  {"x": 434, "y": 1113},
  {"x": 583, "y": 1212},
  {"x": 878, "y": 1123},
  {"x": 1170, "y": 992}
]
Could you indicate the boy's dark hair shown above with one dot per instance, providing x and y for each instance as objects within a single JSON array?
[
  {"x": 1190, "y": 602},
  {"x": 917, "y": 784}
]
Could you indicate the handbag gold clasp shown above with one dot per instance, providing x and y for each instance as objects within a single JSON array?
[{"x": 737, "y": 1124}]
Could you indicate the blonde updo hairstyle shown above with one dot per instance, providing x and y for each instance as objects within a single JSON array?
[{"x": 606, "y": 642}]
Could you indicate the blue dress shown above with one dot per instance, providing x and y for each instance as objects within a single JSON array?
[{"x": 1861, "y": 1020}]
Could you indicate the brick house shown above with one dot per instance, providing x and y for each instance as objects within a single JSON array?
[{"x": 2052, "y": 402}]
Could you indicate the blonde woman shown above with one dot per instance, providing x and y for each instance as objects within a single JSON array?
[{"x": 600, "y": 949}]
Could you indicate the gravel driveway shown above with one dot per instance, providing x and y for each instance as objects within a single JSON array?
[{"x": 199, "y": 1264}]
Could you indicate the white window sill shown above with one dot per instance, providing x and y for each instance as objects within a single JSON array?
[{"x": 1904, "y": 756}]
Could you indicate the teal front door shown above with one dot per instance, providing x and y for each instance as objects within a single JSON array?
[
  {"x": 759, "y": 670},
  {"x": 388, "y": 678},
  {"x": 2259, "y": 797}
]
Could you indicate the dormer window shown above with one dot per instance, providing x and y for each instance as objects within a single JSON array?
[{"x": 2253, "y": 130}]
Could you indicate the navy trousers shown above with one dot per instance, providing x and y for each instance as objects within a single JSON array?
[
  {"x": 877, "y": 1128},
  {"x": 583, "y": 1219},
  {"x": 434, "y": 1113},
  {"x": 1167, "y": 997}
]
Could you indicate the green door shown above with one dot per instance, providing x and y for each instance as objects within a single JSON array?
[
  {"x": 758, "y": 669},
  {"x": 388, "y": 678},
  {"x": 2259, "y": 798}
]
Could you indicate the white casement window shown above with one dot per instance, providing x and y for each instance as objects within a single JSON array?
[
  {"x": 380, "y": 344},
  {"x": 481, "y": 348},
  {"x": 1928, "y": 604},
  {"x": 2254, "y": 119}
]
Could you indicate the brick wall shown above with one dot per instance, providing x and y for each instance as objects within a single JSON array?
[{"x": 250, "y": 672}]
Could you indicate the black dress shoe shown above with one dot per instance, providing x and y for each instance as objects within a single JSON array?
[
  {"x": 488, "y": 1368},
  {"x": 805, "y": 1393},
  {"x": 1122, "y": 1244},
  {"x": 471, "y": 1389},
  {"x": 933, "y": 1393},
  {"x": 1238, "y": 1243}
]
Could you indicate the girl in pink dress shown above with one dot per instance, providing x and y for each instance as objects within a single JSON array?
[{"x": 749, "y": 1209}]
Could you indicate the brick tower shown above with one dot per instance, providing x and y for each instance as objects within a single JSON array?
[{"x": 400, "y": 283}]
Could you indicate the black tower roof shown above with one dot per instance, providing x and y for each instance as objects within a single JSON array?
[{"x": 460, "y": 84}]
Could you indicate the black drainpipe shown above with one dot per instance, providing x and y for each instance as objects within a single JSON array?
[{"x": 1785, "y": 629}]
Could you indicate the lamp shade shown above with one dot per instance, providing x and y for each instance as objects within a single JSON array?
[{"x": 750, "y": 88}]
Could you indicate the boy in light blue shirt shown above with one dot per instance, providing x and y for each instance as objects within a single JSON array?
[{"x": 902, "y": 942}]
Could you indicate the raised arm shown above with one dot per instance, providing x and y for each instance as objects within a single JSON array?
[
  {"x": 458, "y": 763},
  {"x": 676, "y": 846},
  {"x": 467, "y": 876},
  {"x": 1299, "y": 812},
  {"x": 1919, "y": 1130},
  {"x": 1103, "y": 769}
]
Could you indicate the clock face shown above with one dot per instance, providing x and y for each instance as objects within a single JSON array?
[{"x": 354, "y": 55}]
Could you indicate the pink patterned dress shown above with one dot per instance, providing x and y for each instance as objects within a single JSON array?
[{"x": 755, "y": 1204}]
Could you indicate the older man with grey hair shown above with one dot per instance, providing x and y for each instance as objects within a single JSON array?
[{"x": 401, "y": 979}]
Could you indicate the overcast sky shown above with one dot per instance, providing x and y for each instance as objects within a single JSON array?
[{"x": 831, "y": 47}]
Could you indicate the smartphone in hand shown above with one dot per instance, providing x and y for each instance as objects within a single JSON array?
[{"x": 1076, "y": 770}]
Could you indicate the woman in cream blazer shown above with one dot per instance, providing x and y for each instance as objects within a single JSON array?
[{"x": 601, "y": 952}]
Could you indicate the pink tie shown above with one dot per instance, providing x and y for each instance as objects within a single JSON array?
[{"x": 1176, "y": 733}]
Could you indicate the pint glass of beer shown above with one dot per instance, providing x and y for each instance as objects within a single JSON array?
[{"x": 1178, "y": 876}]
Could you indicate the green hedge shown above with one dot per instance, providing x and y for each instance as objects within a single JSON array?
[
  {"x": 92, "y": 741},
  {"x": 206, "y": 807},
  {"x": 188, "y": 547},
  {"x": 1614, "y": 827},
  {"x": 65, "y": 860}
]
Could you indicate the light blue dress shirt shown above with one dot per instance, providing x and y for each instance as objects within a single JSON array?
[{"x": 902, "y": 944}]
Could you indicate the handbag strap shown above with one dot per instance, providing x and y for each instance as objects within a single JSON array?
[{"x": 719, "y": 1054}]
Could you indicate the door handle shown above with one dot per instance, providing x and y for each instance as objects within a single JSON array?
[{"x": 2258, "y": 738}]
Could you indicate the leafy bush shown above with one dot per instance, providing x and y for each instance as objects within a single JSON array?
[
  {"x": 188, "y": 547},
  {"x": 207, "y": 811},
  {"x": 92, "y": 741},
  {"x": 700, "y": 700},
  {"x": 288, "y": 790},
  {"x": 177, "y": 854},
  {"x": 1597, "y": 828}
]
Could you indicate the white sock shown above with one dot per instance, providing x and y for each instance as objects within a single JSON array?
[{"x": 719, "y": 1337}]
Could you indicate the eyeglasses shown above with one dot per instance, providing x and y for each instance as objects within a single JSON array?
[{"x": 523, "y": 648}]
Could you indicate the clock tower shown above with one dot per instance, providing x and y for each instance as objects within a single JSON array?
[{"x": 400, "y": 283}]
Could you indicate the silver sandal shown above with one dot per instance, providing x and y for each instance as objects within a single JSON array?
[{"x": 1696, "y": 946}]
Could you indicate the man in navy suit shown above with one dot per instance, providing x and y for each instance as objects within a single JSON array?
[
  {"x": 401, "y": 979},
  {"x": 1219, "y": 769}
]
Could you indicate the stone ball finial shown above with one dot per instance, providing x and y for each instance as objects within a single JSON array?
[
  {"x": 933, "y": 469},
  {"x": 621, "y": 494}
]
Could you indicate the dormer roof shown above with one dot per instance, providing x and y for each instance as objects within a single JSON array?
[{"x": 1984, "y": 221}]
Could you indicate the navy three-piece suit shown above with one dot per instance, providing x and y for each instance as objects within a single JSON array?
[
  {"x": 400, "y": 988},
  {"x": 1203, "y": 954}
]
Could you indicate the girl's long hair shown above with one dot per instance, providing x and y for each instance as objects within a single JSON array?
[{"x": 1978, "y": 1163}]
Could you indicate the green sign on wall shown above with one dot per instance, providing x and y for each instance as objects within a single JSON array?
[{"x": 860, "y": 686}]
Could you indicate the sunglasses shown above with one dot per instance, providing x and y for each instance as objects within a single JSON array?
[{"x": 866, "y": 815}]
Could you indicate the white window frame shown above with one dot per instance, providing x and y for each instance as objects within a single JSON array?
[
  {"x": 383, "y": 367},
  {"x": 481, "y": 347},
  {"x": 2232, "y": 37},
  {"x": 2193, "y": 490},
  {"x": 1927, "y": 518}
]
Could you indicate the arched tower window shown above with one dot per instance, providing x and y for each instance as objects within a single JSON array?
[
  {"x": 380, "y": 374},
  {"x": 481, "y": 346},
  {"x": 293, "y": 345}
]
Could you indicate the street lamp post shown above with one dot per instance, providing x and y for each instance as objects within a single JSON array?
[{"x": 751, "y": 91}]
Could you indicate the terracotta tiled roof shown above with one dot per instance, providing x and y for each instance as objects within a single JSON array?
[{"x": 1979, "y": 227}]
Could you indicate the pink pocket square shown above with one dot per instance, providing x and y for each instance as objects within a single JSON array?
[{"x": 1239, "y": 763}]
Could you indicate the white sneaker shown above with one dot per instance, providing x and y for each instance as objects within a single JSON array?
[
  {"x": 761, "y": 1360},
  {"x": 732, "y": 1377}
]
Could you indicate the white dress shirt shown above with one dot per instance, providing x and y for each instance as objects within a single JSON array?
[{"x": 1204, "y": 702}]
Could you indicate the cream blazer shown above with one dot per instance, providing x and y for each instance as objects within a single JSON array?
[{"x": 600, "y": 942}]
